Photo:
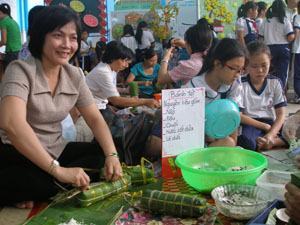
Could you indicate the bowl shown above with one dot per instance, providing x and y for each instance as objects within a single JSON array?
[
  {"x": 207, "y": 168},
  {"x": 241, "y": 202},
  {"x": 222, "y": 118}
]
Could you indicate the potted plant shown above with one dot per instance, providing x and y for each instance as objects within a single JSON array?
[{"x": 159, "y": 24}]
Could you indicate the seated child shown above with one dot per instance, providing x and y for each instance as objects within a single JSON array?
[
  {"x": 220, "y": 75},
  {"x": 263, "y": 102}
]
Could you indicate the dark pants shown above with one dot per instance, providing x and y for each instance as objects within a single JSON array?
[
  {"x": 280, "y": 60},
  {"x": 21, "y": 180},
  {"x": 297, "y": 74},
  {"x": 9, "y": 57},
  {"x": 85, "y": 63},
  {"x": 249, "y": 135}
]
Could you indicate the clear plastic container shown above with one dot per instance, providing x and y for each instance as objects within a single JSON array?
[{"x": 274, "y": 181}]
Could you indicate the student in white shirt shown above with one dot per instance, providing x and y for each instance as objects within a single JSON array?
[
  {"x": 291, "y": 9},
  {"x": 220, "y": 77},
  {"x": 263, "y": 102},
  {"x": 262, "y": 9},
  {"x": 84, "y": 52},
  {"x": 277, "y": 32},
  {"x": 246, "y": 30},
  {"x": 296, "y": 52},
  {"x": 144, "y": 38},
  {"x": 128, "y": 38}
]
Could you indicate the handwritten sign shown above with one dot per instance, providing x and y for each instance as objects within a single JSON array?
[{"x": 182, "y": 120}]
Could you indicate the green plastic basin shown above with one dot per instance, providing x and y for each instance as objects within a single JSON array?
[{"x": 207, "y": 168}]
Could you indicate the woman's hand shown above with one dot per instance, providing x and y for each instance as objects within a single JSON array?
[
  {"x": 112, "y": 168},
  {"x": 177, "y": 42},
  {"x": 292, "y": 202},
  {"x": 168, "y": 54},
  {"x": 75, "y": 176},
  {"x": 151, "y": 103}
]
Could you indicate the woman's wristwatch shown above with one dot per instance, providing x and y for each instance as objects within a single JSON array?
[{"x": 54, "y": 164}]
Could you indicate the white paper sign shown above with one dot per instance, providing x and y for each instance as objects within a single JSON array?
[{"x": 182, "y": 120}]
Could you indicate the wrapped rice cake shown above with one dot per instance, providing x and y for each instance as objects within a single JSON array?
[
  {"x": 176, "y": 204},
  {"x": 102, "y": 190}
]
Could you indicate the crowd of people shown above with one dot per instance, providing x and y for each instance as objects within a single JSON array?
[{"x": 42, "y": 88}]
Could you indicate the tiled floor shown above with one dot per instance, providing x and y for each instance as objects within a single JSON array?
[
  {"x": 292, "y": 108},
  {"x": 13, "y": 216}
]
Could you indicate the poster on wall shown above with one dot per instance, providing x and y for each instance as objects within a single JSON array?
[
  {"x": 92, "y": 14},
  {"x": 119, "y": 18},
  {"x": 183, "y": 22}
]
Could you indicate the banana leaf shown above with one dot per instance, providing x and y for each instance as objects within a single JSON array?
[{"x": 140, "y": 174}]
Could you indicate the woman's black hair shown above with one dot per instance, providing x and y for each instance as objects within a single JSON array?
[
  {"x": 5, "y": 8},
  {"x": 258, "y": 47},
  {"x": 199, "y": 36},
  {"x": 262, "y": 6},
  {"x": 277, "y": 9},
  {"x": 32, "y": 15},
  {"x": 53, "y": 17},
  {"x": 139, "y": 31},
  {"x": 149, "y": 53},
  {"x": 128, "y": 29},
  {"x": 116, "y": 50},
  {"x": 225, "y": 50},
  {"x": 244, "y": 8},
  {"x": 298, "y": 7}
]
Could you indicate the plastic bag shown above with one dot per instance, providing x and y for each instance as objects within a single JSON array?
[
  {"x": 68, "y": 129},
  {"x": 291, "y": 128},
  {"x": 130, "y": 134}
]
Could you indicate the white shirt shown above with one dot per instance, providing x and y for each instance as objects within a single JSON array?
[
  {"x": 102, "y": 83},
  {"x": 84, "y": 48},
  {"x": 147, "y": 39},
  {"x": 233, "y": 91},
  {"x": 129, "y": 42},
  {"x": 262, "y": 103},
  {"x": 241, "y": 25},
  {"x": 296, "y": 43},
  {"x": 258, "y": 22},
  {"x": 290, "y": 13},
  {"x": 274, "y": 32}
]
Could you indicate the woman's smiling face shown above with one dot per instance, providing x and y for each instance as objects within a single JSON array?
[{"x": 60, "y": 45}]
